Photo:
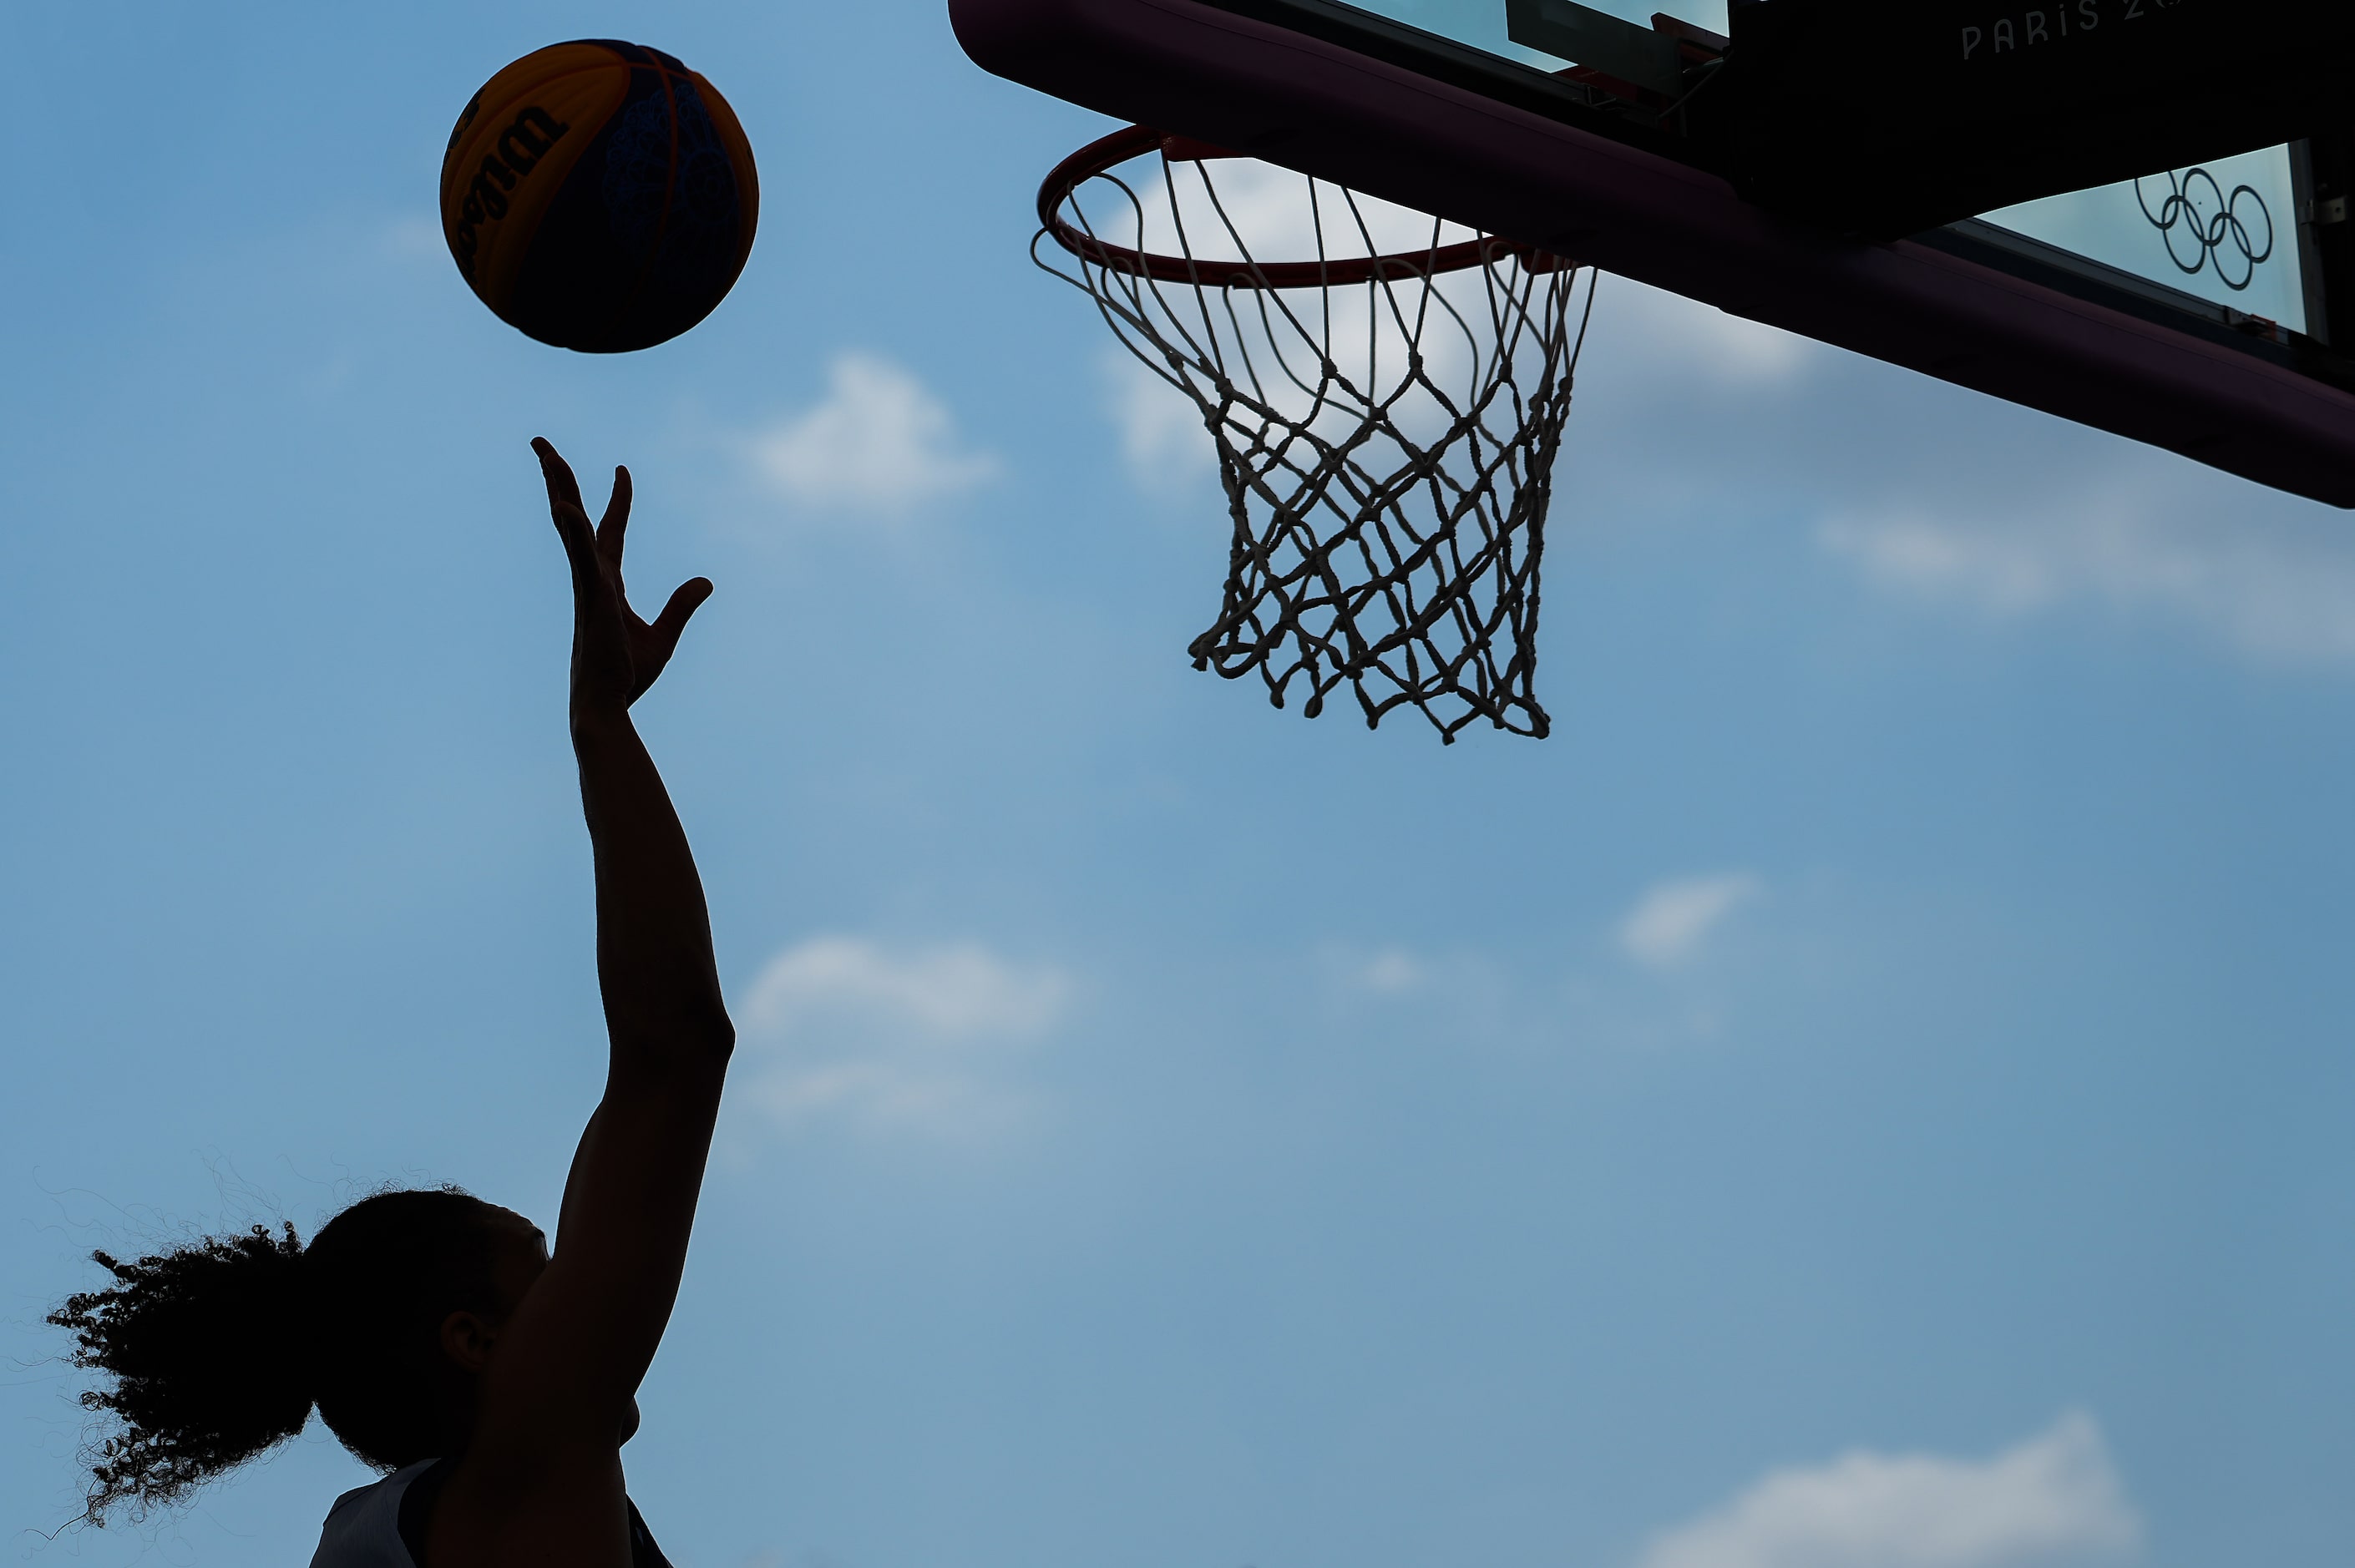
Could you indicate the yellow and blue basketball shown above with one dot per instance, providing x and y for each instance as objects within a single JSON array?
[{"x": 598, "y": 197}]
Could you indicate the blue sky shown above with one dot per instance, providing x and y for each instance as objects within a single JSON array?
[{"x": 1870, "y": 1091}]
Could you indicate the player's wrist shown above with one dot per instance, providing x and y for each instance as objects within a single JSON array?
[{"x": 596, "y": 720}]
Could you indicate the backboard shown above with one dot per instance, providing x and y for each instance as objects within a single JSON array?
[{"x": 2190, "y": 308}]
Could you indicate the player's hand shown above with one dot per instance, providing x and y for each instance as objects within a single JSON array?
[{"x": 615, "y": 656}]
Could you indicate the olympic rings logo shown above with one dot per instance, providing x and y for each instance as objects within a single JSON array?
[{"x": 2212, "y": 227}]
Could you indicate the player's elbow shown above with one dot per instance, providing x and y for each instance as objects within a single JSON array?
[
  {"x": 705, "y": 1033},
  {"x": 698, "y": 1040},
  {"x": 711, "y": 1032},
  {"x": 719, "y": 1039}
]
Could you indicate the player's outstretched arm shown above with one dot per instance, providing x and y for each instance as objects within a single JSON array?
[
  {"x": 541, "y": 1480},
  {"x": 653, "y": 936}
]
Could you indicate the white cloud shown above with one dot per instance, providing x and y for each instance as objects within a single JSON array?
[
  {"x": 956, "y": 992},
  {"x": 1392, "y": 972},
  {"x": 415, "y": 234},
  {"x": 1940, "y": 496},
  {"x": 2281, "y": 585},
  {"x": 1915, "y": 552},
  {"x": 1680, "y": 340},
  {"x": 1669, "y": 923},
  {"x": 880, "y": 443},
  {"x": 923, "y": 1040},
  {"x": 1162, "y": 438},
  {"x": 2053, "y": 1498}
]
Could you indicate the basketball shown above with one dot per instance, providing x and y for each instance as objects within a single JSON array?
[{"x": 598, "y": 197}]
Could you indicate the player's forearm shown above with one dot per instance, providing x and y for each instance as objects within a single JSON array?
[{"x": 654, "y": 933}]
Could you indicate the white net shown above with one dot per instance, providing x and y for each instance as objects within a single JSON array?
[{"x": 1386, "y": 416}]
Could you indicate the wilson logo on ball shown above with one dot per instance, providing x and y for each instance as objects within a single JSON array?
[
  {"x": 518, "y": 152},
  {"x": 599, "y": 196}
]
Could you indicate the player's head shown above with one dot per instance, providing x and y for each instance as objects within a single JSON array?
[
  {"x": 407, "y": 1291},
  {"x": 217, "y": 1349}
]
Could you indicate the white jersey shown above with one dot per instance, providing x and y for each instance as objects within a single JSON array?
[{"x": 363, "y": 1529}]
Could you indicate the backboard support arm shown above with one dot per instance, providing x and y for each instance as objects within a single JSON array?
[{"x": 2231, "y": 399}]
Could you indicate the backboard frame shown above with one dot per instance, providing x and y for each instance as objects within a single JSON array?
[{"x": 1418, "y": 120}]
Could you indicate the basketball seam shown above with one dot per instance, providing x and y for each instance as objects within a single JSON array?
[{"x": 662, "y": 225}]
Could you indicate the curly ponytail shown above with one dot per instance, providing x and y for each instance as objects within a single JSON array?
[
  {"x": 215, "y": 1352},
  {"x": 195, "y": 1341}
]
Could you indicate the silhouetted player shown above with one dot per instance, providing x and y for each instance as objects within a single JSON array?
[{"x": 440, "y": 1339}]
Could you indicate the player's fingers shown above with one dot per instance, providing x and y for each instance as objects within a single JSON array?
[
  {"x": 616, "y": 523},
  {"x": 562, "y": 488},
  {"x": 684, "y": 603},
  {"x": 579, "y": 545},
  {"x": 571, "y": 522}
]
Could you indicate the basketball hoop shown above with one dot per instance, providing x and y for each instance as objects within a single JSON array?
[{"x": 1385, "y": 418}]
